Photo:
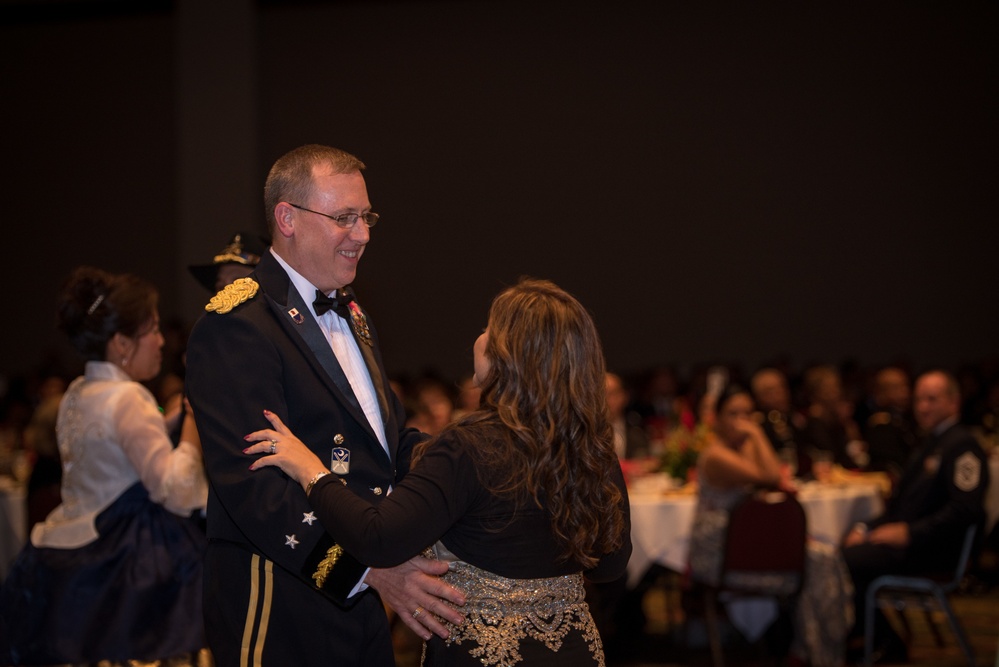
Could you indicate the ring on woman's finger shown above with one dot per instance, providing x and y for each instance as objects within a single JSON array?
[
  {"x": 419, "y": 610},
  {"x": 273, "y": 446}
]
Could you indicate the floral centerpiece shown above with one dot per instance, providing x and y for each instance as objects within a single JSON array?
[{"x": 680, "y": 451}]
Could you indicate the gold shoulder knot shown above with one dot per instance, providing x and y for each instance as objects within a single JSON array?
[
  {"x": 326, "y": 565},
  {"x": 233, "y": 294}
]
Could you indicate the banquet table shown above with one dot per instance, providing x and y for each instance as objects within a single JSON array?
[{"x": 661, "y": 521}]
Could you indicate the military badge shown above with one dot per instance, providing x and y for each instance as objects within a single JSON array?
[
  {"x": 340, "y": 461},
  {"x": 296, "y": 316},
  {"x": 233, "y": 294},
  {"x": 967, "y": 472},
  {"x": 360, "y": 323}
]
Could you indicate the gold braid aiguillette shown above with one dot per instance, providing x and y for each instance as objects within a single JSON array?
[
  {"x": 326, "y": 565},
  {"x": 233, "y": 294}
]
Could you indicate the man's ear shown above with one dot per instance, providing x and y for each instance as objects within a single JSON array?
[{"x": 284, "y": 217}]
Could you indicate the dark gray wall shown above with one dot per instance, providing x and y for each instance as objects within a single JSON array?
[
  {"x": 88, "y": 172},
  {"x": 716, "y": 182}
]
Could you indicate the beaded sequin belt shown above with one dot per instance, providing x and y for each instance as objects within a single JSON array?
[{"x": 500, "y": 612}]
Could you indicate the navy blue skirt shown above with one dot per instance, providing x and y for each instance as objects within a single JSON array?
[{"x": 134, "y": 593}]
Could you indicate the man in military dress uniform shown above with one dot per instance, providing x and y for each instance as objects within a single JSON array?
[
  {"x": 291, "y": 339},
  {"x": 939, "y": 496}
]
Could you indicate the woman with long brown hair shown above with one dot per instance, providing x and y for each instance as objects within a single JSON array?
[{"x": 524, "y": 496}]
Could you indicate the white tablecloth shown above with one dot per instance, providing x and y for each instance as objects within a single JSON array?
[
  {"x": 660, "y": 524},
  {"x": 13, "y": 522}
]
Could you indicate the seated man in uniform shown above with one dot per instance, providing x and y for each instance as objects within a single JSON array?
[
  {"x": 890, "y": 432},
  {"x": 938, "y": 497},
  {"x": 630, "y": 440},
  {"x": 776, "y": 416}
]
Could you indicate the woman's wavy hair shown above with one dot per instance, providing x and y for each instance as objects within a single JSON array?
[
  {"x": 546, "y": 385},
  {"x": 95, "y": 305}
]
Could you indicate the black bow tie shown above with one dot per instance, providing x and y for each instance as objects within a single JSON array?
[{"x": 323, "y": 303}]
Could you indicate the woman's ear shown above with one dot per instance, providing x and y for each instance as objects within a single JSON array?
[{"x": 121, "y": 345}]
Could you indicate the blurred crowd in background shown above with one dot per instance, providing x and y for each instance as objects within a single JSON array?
[{"x": 860, "y": 414}]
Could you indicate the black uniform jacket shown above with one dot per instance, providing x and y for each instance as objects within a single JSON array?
[
  {"x": 941, "y": 492},
  {"x": 269, "y": 353}
]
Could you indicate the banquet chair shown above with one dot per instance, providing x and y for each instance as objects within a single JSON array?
[
  {"x": 764, "y": 556},
  {"x": 926, "y": 593}
]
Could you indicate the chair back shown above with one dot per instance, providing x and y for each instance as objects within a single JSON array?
[
  {"x": 767, "y": 533},
  {"x": 963, "y": 560},
  {"x": 925, "y": 592}
]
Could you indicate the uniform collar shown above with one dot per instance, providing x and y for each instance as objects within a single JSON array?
[
  {"x": 302, "y": 285},
  {"x": 942, "y": 427}
]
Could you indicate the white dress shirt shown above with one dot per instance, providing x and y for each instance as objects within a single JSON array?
[
  {"x": 344, "y": 345},
  {"x": 348, "y": 355}
]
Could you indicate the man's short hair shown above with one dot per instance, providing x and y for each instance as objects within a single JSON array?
[
  {"x": 953, "y": 386},
  {"x": 766, "y": 371},
  {"x": 290, "y": 179}
]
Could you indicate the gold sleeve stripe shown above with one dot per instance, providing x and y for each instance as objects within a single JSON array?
[
  {"x": 251, "y": 612},
  {"x": 326, "y": 565}
]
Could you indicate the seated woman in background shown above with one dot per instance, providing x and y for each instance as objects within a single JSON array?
[
  {"x": 433, "y": 406},
  {"x": 114, "y": 572},
  {"x": 525, "y": 495},
  {"x": 737, "y": 459}
]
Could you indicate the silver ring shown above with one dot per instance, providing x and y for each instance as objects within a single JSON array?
[
  {"x": 273, "y": 446},
  {"x": 419, "y": 610}
]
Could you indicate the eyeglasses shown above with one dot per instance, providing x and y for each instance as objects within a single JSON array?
[{"x": 344, "y": 220}]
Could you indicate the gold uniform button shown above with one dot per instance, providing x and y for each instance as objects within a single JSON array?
[
  {"x": 377, "y": 490},
  {"x": 338, "y": 439}
]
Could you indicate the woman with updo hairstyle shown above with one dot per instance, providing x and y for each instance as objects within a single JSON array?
[
  {"x": 113, "y": 574},
  {"x": 736, "y": 461},
  {"x": 523, "y": 496}
]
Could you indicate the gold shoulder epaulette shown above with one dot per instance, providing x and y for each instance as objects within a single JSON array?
[{"x": 233, "y": 294}]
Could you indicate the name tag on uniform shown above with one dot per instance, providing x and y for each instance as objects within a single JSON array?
[{"x": 340, "y": 461}]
